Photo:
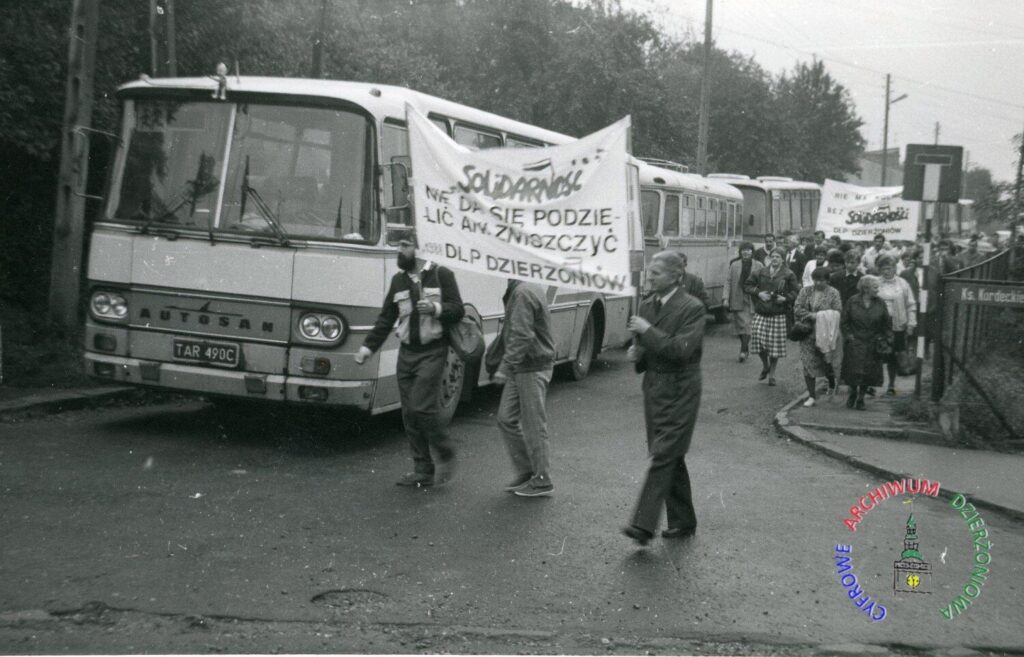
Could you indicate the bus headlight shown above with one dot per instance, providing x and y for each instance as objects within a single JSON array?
[
  {"x": 322, "y": 328},
  {"x": 109, "y": 306},
  {"x": 330, "y": 327},
  {"x": 310, "y": 327}
]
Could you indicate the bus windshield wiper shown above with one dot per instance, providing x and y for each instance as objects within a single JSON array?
[
  {"x": 193, "y": 190},
  {"x": 262, "y": 208}
]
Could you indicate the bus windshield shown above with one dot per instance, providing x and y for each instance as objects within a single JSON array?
[{"x": 242, "y": 169}]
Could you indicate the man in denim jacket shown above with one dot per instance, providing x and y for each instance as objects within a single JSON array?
[{"x": 424, "y": 299}]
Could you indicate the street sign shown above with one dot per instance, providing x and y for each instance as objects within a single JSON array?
[{"x": 932, "y": 173}]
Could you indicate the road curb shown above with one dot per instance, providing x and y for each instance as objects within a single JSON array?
[
  {"x": 804, "y": 437},
  {"x": 65, "y": 400}
]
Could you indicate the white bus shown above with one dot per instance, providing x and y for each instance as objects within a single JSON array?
[
  {"x": 246, "y": 243},
  {"x": 700, "y": 217},
  {"x": 774, "y": 205}
]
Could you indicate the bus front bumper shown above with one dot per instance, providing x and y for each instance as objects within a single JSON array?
[{"x": 229, "y": 383}]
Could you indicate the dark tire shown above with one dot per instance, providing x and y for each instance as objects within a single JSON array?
[
  {"x": 452, "y": 382},
  {"x": 579, "y": 367}
]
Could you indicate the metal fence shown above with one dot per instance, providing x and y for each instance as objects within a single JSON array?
[{"x": 981, "y": 332}]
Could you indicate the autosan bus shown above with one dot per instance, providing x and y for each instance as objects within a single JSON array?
[
  {"x": 247, "y": 242},
  {"x": 775, "y": 205},
  {"x": 700, "y": 217}
]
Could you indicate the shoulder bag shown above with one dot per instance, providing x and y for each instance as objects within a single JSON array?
[{"x": 467, "y": 338}]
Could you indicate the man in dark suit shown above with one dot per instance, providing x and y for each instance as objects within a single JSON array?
[
  {"x": 796, "y": 256},
  {"x": 669, "y": 335},
  {"x": 692, "y": 283},
  {"x": 929, "y": 322},
  {"x": 812, "y": 246},
  {"x": 846, "y": 279}
]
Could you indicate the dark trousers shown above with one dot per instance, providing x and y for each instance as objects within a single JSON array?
[
  {"x": 419, "y": 386},
  {"x": 671, "y": 402}
]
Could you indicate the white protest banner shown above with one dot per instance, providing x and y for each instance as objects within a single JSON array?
[
  {"x": 859, "y": 213},
  {"x": 554, "y": 216}
]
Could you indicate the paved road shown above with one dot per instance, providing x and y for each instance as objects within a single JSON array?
[{"x": 180, "y": 527}]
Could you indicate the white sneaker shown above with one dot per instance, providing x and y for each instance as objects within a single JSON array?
[{"x": 810, "y": 402}]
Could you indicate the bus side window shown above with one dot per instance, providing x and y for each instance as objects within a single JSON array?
[
  {"x": 723, "y": 224},
  {"x": 701, "y": 225},
  {"x": 732, "y": 221},
  {"x": 517, "y": 142},
  {"x": 787, "y": 212},
  {"x": 650, "y": 202},
  {"x": 686, "y": 225},
  {"x": 670, "y": 227},
  {"x": 776, "y": 222},
  {"x": 441, "y": 123},
  {"x": 475, "y": 139},
  {"x": 805, "y": 208},
  {"x": 815, "y": 203},
  {"x": 712, "y": 217}
]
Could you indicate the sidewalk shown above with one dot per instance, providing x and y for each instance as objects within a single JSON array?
[
  {"x": 14, "y": 400},
  {"x": 890, "y": 447}
]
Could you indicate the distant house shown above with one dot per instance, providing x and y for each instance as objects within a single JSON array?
[{"x": 871, "y": 169}]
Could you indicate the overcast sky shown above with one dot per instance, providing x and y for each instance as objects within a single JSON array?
[{"x": 960, "y": 62}]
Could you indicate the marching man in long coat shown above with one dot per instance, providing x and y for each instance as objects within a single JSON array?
[{"x": 669, "y": 334}]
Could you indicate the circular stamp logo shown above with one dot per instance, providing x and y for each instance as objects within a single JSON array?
[{"x": 914, "y": 577}]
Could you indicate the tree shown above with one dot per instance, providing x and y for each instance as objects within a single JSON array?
[
  {"x": 820, "y": 125},
  {"x": 977, "y": 180},
  {"x": 573, "y": 67}
]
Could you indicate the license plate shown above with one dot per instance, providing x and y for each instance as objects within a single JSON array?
[{"x": 221, "y": 354}]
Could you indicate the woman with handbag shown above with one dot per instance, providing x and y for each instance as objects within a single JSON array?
[
  {"x": 740, "y": 305},
  {"x": 774, "y": 289},
  {"x": 899, "y": 301},
  {"x": 867, "y": 335},
  {"x": 818, "y": 307}
]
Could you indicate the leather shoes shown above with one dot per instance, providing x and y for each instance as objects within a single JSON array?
[
  {"x": 763, "y": 375},
  {"x": 678, "y": 532},
  {"x": 641, "y": 536}
]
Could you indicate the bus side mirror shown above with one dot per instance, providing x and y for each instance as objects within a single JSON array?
[
  {"x": 397, "y": 208},
  {"x": 396, "y": 174}
]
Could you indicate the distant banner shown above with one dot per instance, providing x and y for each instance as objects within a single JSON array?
[
  {"x": 554, "y": 216},
  {"x": 859, "y": 213}
]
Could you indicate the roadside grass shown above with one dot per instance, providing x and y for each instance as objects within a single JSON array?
[
  {"x": 35, "y": 354},
  {"x": 915, "y": 410}
]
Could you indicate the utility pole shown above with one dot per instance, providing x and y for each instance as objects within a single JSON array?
[
  {"x": 162, "y": 56},
  {"x": 885, "y": 132},
  {"x": 885, "y": 129},
  {"x": 69, "y": 222},
  {"x": 963, "y": 176},
  {"x": 316, "y": 71},
  {"x": 1017, "y": 192},
  {"x": 705, "y": 97}
]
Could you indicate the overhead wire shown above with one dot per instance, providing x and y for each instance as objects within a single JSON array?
[{"x": 837, "y": 60}]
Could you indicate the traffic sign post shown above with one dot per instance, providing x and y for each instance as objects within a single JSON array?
[{"x": 931, "y": 175}]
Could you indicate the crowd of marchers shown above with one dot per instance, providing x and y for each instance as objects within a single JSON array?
[
  {"x": 423, "y": 306},
  {"x": 854, "y": 312}
]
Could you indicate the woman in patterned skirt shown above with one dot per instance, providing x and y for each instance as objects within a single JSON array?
[{"x": 774, "y": 289}]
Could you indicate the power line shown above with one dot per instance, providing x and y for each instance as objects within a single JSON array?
[
  {"x": 836, "y": 60},
  {"x": 920, "y": 17}
]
